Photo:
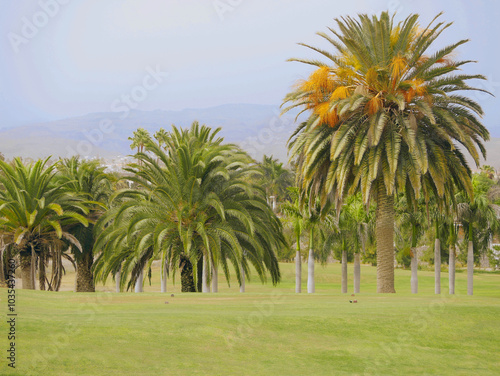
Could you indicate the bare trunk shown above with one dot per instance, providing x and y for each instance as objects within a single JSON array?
[
  {"x": 26, "y": 271},
  {"x": 164, "y": 277},
  {"x": 385, "y": 241},
  {"x": 205, "y": 286},
  {"x": 470, "y": 269},
  {"x": 437, "y": 266},
  {"x": 138, "y": 283},
  {"x": 344, "y": 272},
  {"x": 41, "y": 272},
  {"x": 84, "y": 276},
  {"x": 357, "y": 273},
  {"x": 451, "y": 270},
  {"x": 298, "y": 272},
  {"x": 242, "y": 286},
  {"x": 310, "y": 272},
  {"x": 33, "y": 266},
  {"x": 117, "y": 280},
  {"x": 215, "y": 278},
  {"x": 414, "y": 271}
]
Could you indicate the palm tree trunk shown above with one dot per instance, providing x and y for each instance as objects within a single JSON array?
[
  {"x": 385, "y": 241},
  {"x": 84, "y": 276},
  {"x": 138, "y": 283},
  {"x": 215, "y": 278},
  {"x": 26, "y": 272},
  {"x": 357, "y": 273},
  {"x": 33, "y": 266},
  {"x": 164, "y": 277},
  {"x": 205, "y": 286},
  {"x": 470, "y": 269},
  {"x": 437, "y": 266},
  {"x": 451, "y": 270},
  {"x": 187, "y": 278},
  {"x": 344, "y": 272},
  {"x": 242, "y": 286},
  {"x": 414, "y": 260},
  {"x": 311, "y": 288},
  {"x": 298, "y": 268},
  {"x": 117, "y": 280},
  {"x": 41, "y": 272}
]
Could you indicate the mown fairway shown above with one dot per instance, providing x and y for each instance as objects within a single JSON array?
[{"x": 266, "y": 331}]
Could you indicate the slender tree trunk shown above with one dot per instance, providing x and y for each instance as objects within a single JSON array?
[
  {"x": 138, "y": 283},
  {"x": 414, "y": 271},
  {"x": 117, "y": 280},
  {"x": 242, "y": 286},
  {"x": 298, "y": 268},
  {"x": 344, "y": 272},
  {"x": 26, "y": 271},
  {"x": 311, "y": 288},
  {"x": 84, "y": 276},
  {"x": 470, "y": 269},
  {"x": 41, "y": 272},
  {"x": 451, "y": 269},
  {"x": 437, "y": 266},
  {"x": 357, "y": 273},
  {"x": 199, "y": 275},
  {"x": 205, "y": 287},
  {"x": 33, "y": 266},
  {"x": 385, "y": 241},
  {"x": 215, "y": 278},
  {"x": 414, "y": 260},
  {"x": 164, "y": 277}
]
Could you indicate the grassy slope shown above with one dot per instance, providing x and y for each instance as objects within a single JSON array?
[{"x": 266, "y": 331}]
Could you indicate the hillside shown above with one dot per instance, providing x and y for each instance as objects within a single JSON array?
[{"x": 257, "y": 128}]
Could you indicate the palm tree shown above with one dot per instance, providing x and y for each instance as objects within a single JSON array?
[
  {"x": 87, "y": 179},
  {"x": 275, "y": 179},
  {"x": 196, "y": 208},
  {"x": 34, "y": 211},
  {"x": 479, "y": 219},
  {"x": 293, "y": 211},
  {"x": 411, "y": 224},
  {"x": 383, "y": 116},
  {"x": 140, "y": 139}
]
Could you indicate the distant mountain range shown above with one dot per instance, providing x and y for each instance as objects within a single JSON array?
[{"x": 257, "y": 128}]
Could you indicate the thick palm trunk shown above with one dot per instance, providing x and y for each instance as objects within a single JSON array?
[
  {"x": 205, "y": 286},
  {"x": 311, "y": 288},
  {"x": 437, "y": 266},
  {"x": 344, "y": 272},
  {"x": 138, "y": 283},
  {"x": 298, "y": 268},
  {"x": 470, "y": 269},
  {"x": 187, "y": 280},
  {"x": 26, "y": 271},
  {"x": 117, "y": 280},
  {"x": 357, "y": 273},
  {"x": 84, "y": 276},
  {"x": 385, "y": 241},
  {"x": 242, "y": 285},
  {"x": 451, "y": 270}
]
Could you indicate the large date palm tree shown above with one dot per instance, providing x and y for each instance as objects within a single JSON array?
[
  {"x": 387, "y": 115},
  {"x": 195, "y": 208}
]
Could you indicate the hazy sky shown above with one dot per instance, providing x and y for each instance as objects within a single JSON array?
[{"x": 62, "y": 58}]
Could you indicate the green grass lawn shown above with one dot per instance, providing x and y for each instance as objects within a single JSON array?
[{"x": 266, "y": 331}]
